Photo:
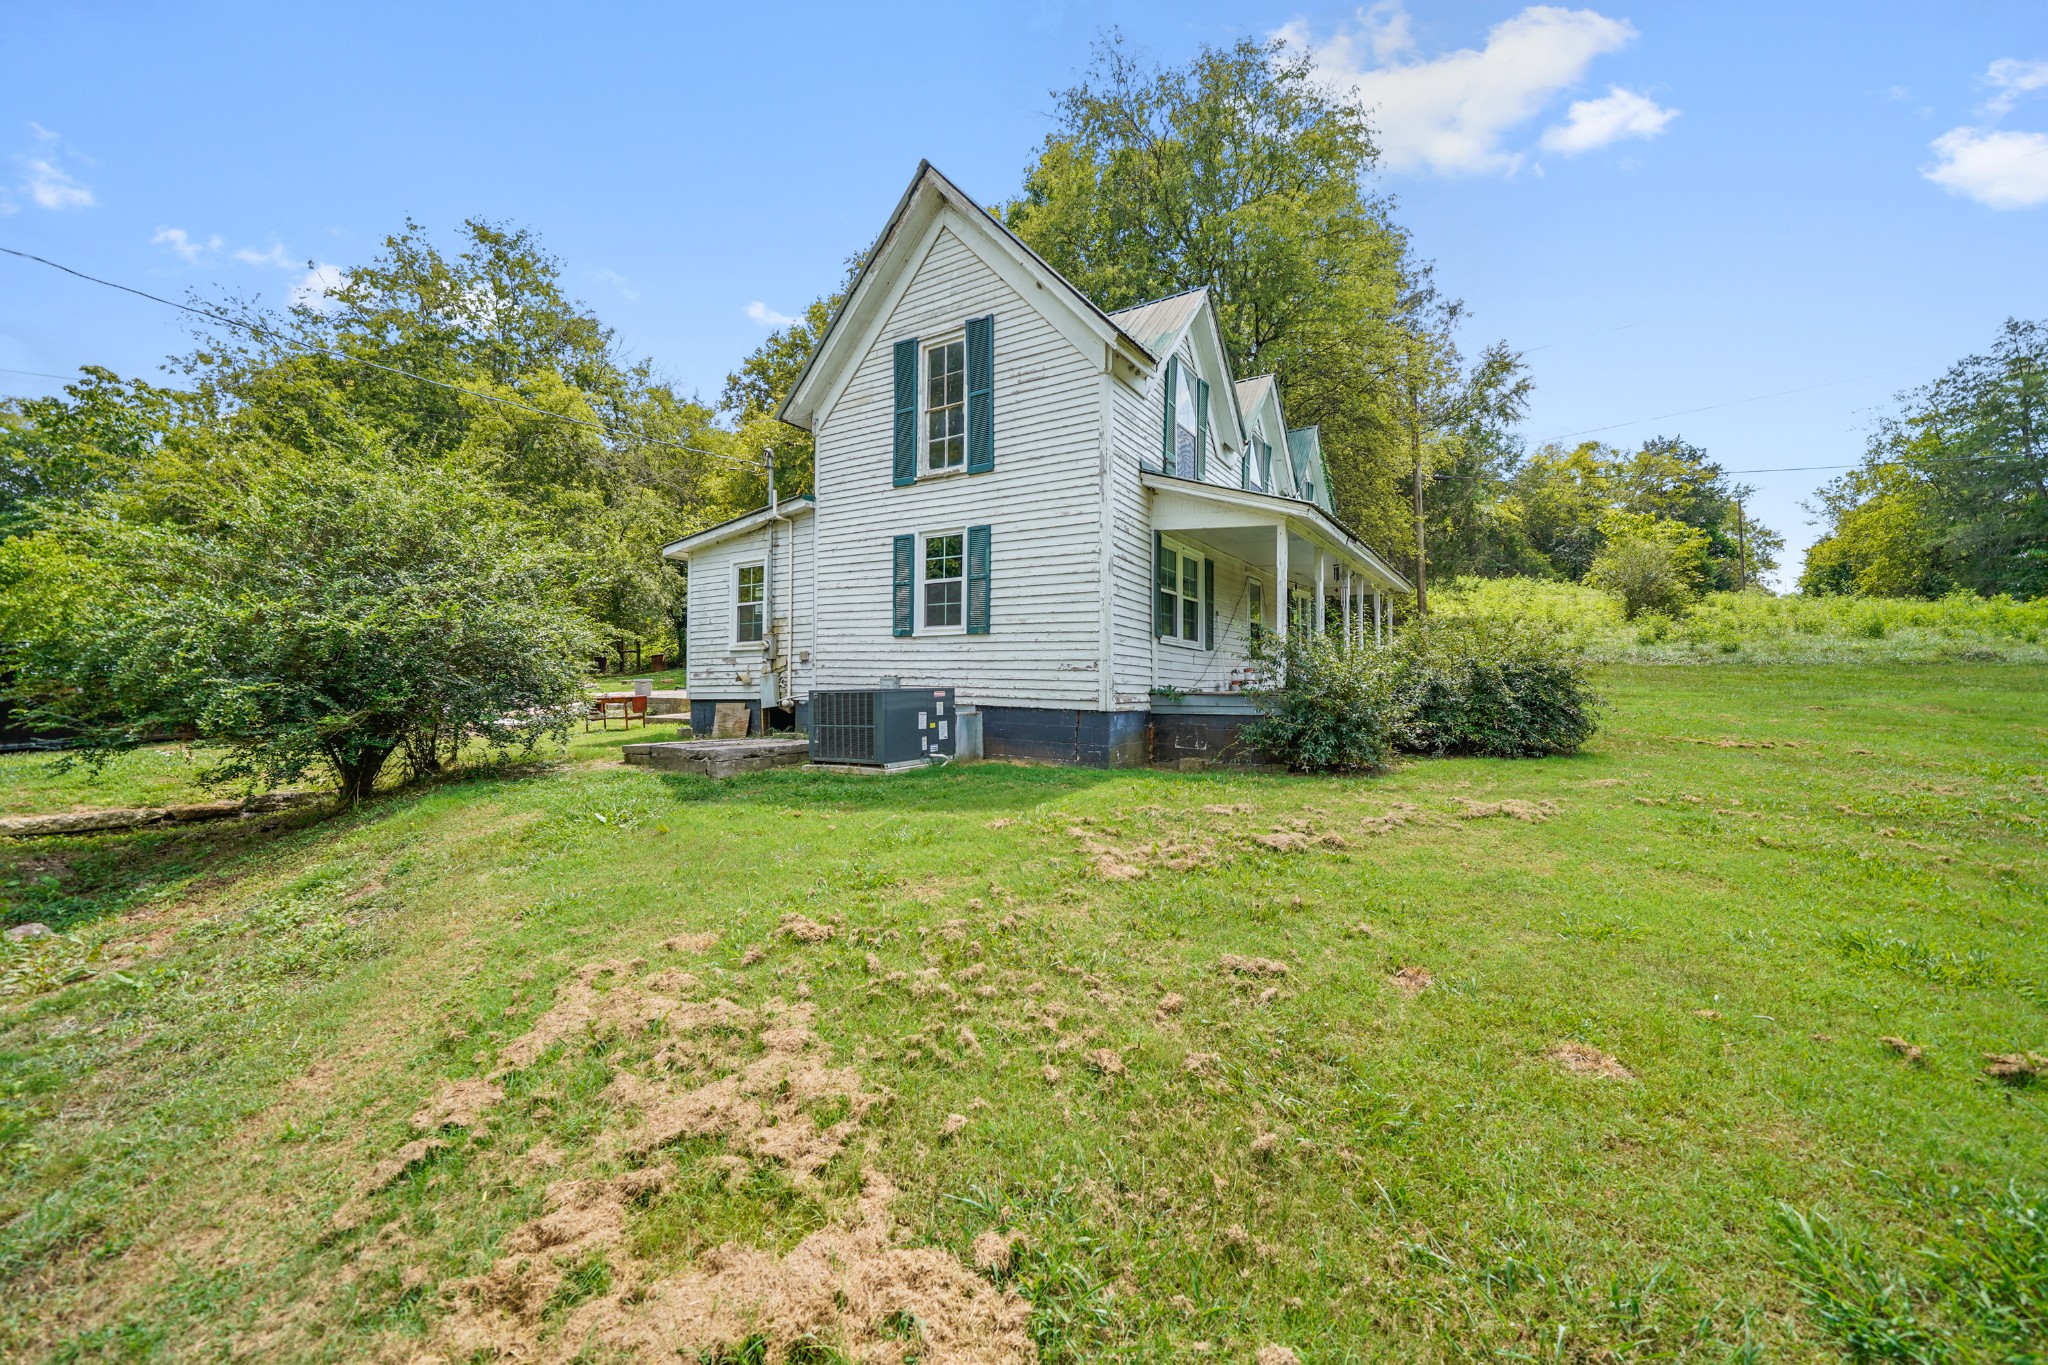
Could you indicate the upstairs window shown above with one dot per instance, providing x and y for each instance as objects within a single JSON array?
[
  {"x": 1258, "y": 464},
  {"x": 1184, "y": 427},
  {"x": 945, "y": 406},
  {"x": 945, "y": 581},
  {"x": 749, "y": 603}
]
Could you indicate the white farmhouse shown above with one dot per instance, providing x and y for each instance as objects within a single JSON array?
[{"x": 1075, "y": 518}]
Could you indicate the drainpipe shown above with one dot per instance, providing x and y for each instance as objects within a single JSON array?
[{"x": 777, "y": 662}]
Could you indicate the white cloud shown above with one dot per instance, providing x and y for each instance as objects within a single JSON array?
[
  {"x": 620, "y": 283},
  {"x": 1591, "y": 124},
  {"x": 2002, "y": 170},
  {"x": 766, "y": 316},
  {"x": 316, "y": 286},
  {"x": 275, "y": 256},
  {"x": 188, "y": 247},
  {"x": 1450, "y": 113},
  {"x": 2013, "y": 78},
  {"x": 51, "y": 188}
]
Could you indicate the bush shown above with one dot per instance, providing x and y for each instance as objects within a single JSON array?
[
  {"x": 319, "y": 615},
  {"x": 1502, "y": 689},
  {"x": 1328, "y": 709},
  {"x": 1448, "y": 685}
]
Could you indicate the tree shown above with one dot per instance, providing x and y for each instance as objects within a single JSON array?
[
  {"x": 754, "y": 393},
  {"x": 603, "y": 455},
  {"x": 1652, "y": 563},
  {"x": 1953, "y": 489},
  {"x": 1239, "y": 172},
  {"x": 57, "y": 452},
  {"x": 315, "y": 612}
]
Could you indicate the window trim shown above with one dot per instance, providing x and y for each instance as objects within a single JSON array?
[
  {"x": 1182, "y": 552},
  {"x": 1187, "y": 391},
  {"x": 738, "y": 569},
  {"x": 956, "y": 336},
  {"x": 917, "y": 567}
]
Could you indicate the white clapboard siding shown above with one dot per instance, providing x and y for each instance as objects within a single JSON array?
[
  {"x": 717, "y": 663},
  {"x": 1139, "y": 419},
  {"x": 1041, "y": 502}
]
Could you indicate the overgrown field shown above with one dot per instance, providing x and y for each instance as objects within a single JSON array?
[
  {"x": 1573, "y": 1059},
  {"x": 1753, "y": 628}
]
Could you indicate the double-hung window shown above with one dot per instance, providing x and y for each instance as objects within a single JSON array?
[
  {"x": 1179, "y": 593},
  {"x": 750, "y": 594},
  {"x": 1258, "y": 459},
  {"x": 945, "y": 406},
  {"x": 1185, "y": 427},
  {"x": 943, "y": 580}
]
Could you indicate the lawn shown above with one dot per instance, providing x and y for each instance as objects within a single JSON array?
[{"x": 1575, "y": 1059}]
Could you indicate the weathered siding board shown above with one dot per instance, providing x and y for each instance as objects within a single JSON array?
[
  {"x": 716, "y": 661},
  {"x": 1040, "y": 502},
  {"x": 1138, "y": 418}
]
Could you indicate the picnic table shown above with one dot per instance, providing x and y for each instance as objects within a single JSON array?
[{"x": 624, "y": 707}]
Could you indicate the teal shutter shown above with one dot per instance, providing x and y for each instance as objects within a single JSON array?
[
  {"x": 904, "y": 596},
  {"x": 977, "y": 580},
  {"x": 906, "y": 415},
  {"x": 1164, "y": 582},
  {"x": 1201, "y": 428},
  {"x": 1244, "y": 466},
  {"x": 1166, "y": 438},
  {"x": 1208, "y": 604},
  {"x": 981, "y": 395}
]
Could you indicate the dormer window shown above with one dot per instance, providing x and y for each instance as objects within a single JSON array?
[
  {"x": 1185, "y": 429},
  {"x": 1258, "y": 464},
  {"x": 945, "y": 406}
]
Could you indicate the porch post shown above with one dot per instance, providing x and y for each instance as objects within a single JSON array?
[
  {"x": 1344, "y": 576},
  {"x": 1322, "y": 586},
  {"x": 1285, "y": 604},
  {"x": 1377, "y": 638}
]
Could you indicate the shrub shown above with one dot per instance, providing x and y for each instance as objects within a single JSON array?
[
  {"x": 1449, "y": 685},
  {"x": 1504, "y": 689},
  {"x": 322, "y": 615},
  {"x": 1650, "y": 563},
  {"x": 1327, "y": 709}
]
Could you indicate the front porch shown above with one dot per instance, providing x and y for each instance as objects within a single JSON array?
[{"x": 1274, "y": 563}]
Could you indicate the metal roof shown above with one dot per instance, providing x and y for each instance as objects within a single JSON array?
[
  {"x": 1157, "y": 322},
  {"x": 1252, "y": 392}
]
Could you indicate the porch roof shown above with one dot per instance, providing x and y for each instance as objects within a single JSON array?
[{"x": 1207, "y": 504}]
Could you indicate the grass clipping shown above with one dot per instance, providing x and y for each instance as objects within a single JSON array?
[{"x": 844, "y": 1287}]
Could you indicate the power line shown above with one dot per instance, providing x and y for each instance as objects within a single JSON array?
[
  {"x": 261, "y": 332},
  {"x": 38, "y": 374},
  {"x": 1733, "y": 402}
]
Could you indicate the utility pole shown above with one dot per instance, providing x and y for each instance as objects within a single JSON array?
[
  {"x": 1421, "y": 548},
  {"x": 1741, "y": 548}
]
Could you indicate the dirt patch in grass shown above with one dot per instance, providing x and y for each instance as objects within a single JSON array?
[
  {"x": 1530, "y": 811},
  {"x": 1908, "y": 1052},
  {"x": 690, "y": 943},
  {"x": 2016, "y": 1068},
  {"x": 845, "y": 1285},
  {"x": 459, "y": 1105},
  {"x": 1230, "y": 964},
  {"x": 1583, "y": 1060},
  {"x": 1412, "y": 981}
]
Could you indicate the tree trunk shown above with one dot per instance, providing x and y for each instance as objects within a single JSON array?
[{"x": 359, "y": 774}]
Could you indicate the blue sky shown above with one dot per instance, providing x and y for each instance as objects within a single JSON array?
[{"x": 1672, "y": 208}]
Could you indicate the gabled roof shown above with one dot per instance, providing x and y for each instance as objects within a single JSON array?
[
  {"x": 1305, "y": 454},
  {"x": 1160, "y": 325},
  {"x": 1157, "y": 324},
  {"x": 1252, "y": 392},
  {"x": 928, "y": 194}
]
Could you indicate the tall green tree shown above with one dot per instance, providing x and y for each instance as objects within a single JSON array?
[
  {"x": 1239, "y": 172},
  {"x": 1953, "y": 489},
  {"x": 57, "y": 452},
  {"x": 601, "y": 452}
]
